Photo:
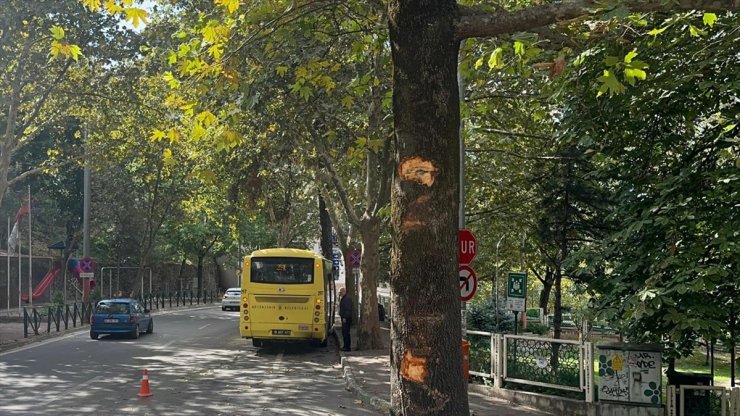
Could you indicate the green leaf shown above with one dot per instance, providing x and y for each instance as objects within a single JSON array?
[
  {"x": 630, "y": 56},
  {"x": 611, "y": 60},
  {"x": 57, "y": 32},
  {"x": 496, "y": 61},
  {"x": 609, "y": 84},
  {"x": 631, "y": 74},
  {"x": 519, "y": 48},
  {"x": 709, "y": 19},
  {"x": 75, "y": 52},
  {"x": 696, "y": 32},
  {"x": 656, "y": 32}
]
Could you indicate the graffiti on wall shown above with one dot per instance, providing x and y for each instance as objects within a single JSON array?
[{"x": 630, "y": 376}]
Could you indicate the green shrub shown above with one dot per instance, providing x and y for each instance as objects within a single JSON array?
[
  {"x": 482, "y": 316},
  {"x": 538, "y": 329},
  {"x": 57, "y": 299}
]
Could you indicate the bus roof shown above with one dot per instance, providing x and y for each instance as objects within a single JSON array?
[{"x": 284, "y": 252}]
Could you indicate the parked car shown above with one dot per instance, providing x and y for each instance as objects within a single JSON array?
[
  {"x": 231, "y": 299},
  {"x": 568, "y": 321},
  {"x": 120, "y": 316}
]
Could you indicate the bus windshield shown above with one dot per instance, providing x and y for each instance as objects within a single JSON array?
[{"x": 282, "y": 270}]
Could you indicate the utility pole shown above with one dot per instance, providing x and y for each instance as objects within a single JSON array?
[
  {"x": 86, "y": 220},
  {"x": 461, "y": 203}
]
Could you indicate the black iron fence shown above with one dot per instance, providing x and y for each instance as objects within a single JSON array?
[{"x": 59, "y": 317}]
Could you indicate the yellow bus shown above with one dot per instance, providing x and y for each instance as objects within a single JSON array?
[{"x": 287, "y": 295}]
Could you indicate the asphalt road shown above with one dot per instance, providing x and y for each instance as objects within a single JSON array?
[{"x": 197, "y": 365}]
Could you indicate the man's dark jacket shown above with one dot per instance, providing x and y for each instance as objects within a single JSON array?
[{"x": 345, "y": 307}]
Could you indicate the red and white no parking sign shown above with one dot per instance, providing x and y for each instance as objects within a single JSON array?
[{"x": 468, "y": 283}]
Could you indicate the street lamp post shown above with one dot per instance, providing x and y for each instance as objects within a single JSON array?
[{"x": 496, "y": 278}]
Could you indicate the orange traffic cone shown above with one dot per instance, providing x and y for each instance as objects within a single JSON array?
[{"x": 144, "y": 390}]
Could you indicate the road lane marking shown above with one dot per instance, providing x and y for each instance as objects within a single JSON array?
[
  {"x": 276, "y": 364},
  {"x": 204, "y": 326},
  {"x": 70, "y": 392}
]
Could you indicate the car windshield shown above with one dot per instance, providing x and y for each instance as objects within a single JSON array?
[{"x": 112, "y": 308}]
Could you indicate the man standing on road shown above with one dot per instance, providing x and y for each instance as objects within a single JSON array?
[{"x": 345, "y": 312}]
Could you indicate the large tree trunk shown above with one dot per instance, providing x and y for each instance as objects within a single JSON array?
[
  {"x": 325, "y": 223},
  {"x": 199, "y": 276},
  {"x": 547, "y": 283},
  {"x": 426, "y": 356},
  {"x": 369, "y": 329}
]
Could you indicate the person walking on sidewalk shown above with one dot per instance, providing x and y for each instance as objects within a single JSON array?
[{"x": 345, "y": 312}]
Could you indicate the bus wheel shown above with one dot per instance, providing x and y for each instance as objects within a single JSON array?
[{"x": 257, "y": 342}]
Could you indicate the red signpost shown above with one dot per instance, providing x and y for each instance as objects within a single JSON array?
[
  {"x": 466, "y": 251},
  {"x": 468, "y": 283},
  {"x": 467, "y": 246}
]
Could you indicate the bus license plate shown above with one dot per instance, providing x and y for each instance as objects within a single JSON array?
[{"x": 281, "y": 332}]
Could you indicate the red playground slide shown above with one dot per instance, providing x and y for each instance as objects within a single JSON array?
[{"x": 43, "y": 286}]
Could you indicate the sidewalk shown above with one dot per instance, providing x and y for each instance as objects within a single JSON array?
[{"x": 367, "y": 373}]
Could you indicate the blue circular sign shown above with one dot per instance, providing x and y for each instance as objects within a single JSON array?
[{"x": 87, "y": 265}]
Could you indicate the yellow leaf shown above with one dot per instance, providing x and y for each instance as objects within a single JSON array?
[
  {"x": 92, "y": 5},
  {"x": 56, "y": 49},
  {"x": 136, "y": 16},
  {"x": 112, "y": 7},
  {"x": 168, "y": 159},
  {"x": 230, "y": 5},
  {"x": 75, "y": 52},
  {"x": 231, "y": 138},
  {"x": 173, "y": 135},
  {"x": 216, "y": 51},
  {"x": 171, "y": 80},
  {"x": 188, "y": 108},
  {"x": 206, "y": 117},
  {"x": 57, "y": 32},
  {"x": 198, "y": 132},
  {"x": 209, "y": 34},
  {"x": 157, "y": 135}
]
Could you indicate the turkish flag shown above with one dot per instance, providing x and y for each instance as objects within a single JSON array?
[{"x": 24, "y": 209}]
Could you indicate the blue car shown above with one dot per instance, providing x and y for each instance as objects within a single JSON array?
[{"x": 120, "y": 316}]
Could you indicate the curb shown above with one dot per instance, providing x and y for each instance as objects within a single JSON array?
[{"x": 376, "y": 402}]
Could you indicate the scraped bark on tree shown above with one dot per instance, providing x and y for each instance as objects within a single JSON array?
[{"x": 425, "y": 330}]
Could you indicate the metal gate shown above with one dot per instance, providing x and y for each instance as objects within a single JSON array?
[{"x": 703, "y": 401}]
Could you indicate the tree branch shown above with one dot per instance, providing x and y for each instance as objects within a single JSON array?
[{"x": 473, "y": 23}]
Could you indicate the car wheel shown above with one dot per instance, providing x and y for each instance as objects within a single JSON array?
[
  {"x": 135, "y": 332},
  {"x": 150, "y": 328},
  {"x": 223, "y": 308},
  {"x": 93, "y": 335}
]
